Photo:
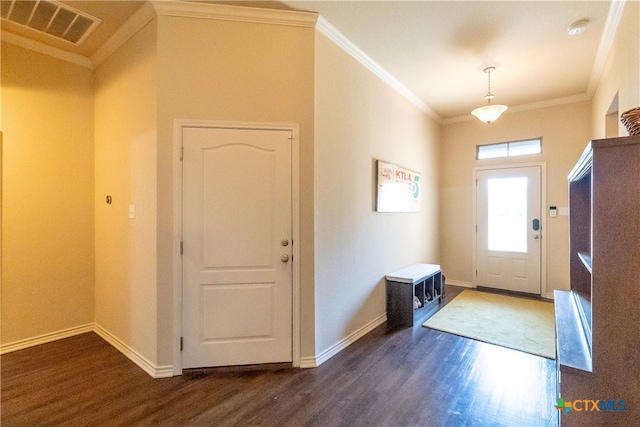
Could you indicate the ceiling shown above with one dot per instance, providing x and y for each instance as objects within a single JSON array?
[
  {"x": 438, "y": 49},
  {"x": 113, "y": 13}
]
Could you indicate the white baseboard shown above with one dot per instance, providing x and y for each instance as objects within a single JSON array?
[
  {"x": 167, "y": 371},
  {"x": 459, "y": 283},
  {"x": 319, "y": 359},
  {"x": 43, "y": 339},
  {"x": 308, "y": 362},
  {"x": 151, "y": 369},
  {"x": 134, "y": 356}
]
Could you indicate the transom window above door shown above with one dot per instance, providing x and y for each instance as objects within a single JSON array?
[{"x": 509, "y": 149}]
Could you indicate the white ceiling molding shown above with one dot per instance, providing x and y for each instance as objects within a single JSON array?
[
  {"x": 46, "y": 49},
  {"x": 608, "y": 35},
  {"x": 169, "y": 8},
  {"x": 526, "y": 107},
  {"x": 139, "y": 19},
  {"x": 235, "y": 13},
  {"x": 339, "y": 39}
]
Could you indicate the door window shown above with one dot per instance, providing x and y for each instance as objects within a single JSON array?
[{"x": 507, "y": 214}]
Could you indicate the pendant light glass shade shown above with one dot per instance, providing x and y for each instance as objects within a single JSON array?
[{"x": 490, "y": 112}]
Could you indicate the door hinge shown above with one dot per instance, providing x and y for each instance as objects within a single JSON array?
[
  {"x": 181, "y": 153},
  {"x": 181, "y": 343},
  {"x": 181, "y": 248}
]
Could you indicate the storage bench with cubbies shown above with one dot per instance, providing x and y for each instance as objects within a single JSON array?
[{"x": 413, "y": 293}]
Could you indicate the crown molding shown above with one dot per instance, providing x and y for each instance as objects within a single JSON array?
[
  {"x": 199, "y": 10},
  {"x": 349, "y": 47},
  {"x": 36, "y": 46},
  {"x": 526, "y": 107},
  {"x": 608, "y": 36},
  {"x": 150, "y": 10},
  {"x": 187, "y": 9},
  {"x": 139, "y": 19}
]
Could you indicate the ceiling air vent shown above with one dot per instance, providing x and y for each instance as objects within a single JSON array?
[{"x": 50, "y": 17}]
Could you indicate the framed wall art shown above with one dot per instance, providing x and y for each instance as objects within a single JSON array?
[{"x": 397, "y": 188}]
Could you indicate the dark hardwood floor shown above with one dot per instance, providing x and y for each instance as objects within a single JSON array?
[{"x": 407, "y": 377}]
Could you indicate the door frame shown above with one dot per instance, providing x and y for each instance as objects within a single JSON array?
[
  {"x": 543, "y": 219},
  {"x": 178, "y": 126}
]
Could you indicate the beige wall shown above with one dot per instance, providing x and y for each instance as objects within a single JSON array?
[
  {"x": 621, "y": 73},
  {"x": 233, "y": 71},
  {"x": 125, "y": 169},
  {"x": 47, "y": 190},
  {"x": 565, "y": 131},
  {"x": 359, "y": 118}
]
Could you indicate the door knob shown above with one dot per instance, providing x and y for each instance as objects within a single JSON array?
[
  {"x": 284, "y": 258},
  {"x": 284, "y": 242},
  {"x": 535, "y": 236}
]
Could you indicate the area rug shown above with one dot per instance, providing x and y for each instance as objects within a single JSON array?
[{"x": 517, "y": 323}]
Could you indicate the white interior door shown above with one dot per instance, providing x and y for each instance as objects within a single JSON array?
[
  {"x": 508, "y": 229},
  {"x": 237, "y": 267}
]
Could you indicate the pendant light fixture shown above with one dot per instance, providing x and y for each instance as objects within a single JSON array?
[{"x": 490, "y": 112}]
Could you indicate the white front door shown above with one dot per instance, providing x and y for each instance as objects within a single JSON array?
[
  {"x": 508, "y": 229},
  {"x": 237, "y": 228}
]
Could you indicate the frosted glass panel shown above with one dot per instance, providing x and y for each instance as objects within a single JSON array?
[
  {"x": 507, "y": 214},
  {"x": 493, "y": 151},
  {"x": 509, "y": 149},
  {"x": 523, "y": 148}
]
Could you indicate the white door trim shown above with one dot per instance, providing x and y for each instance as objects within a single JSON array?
[
  {"x": 178, "y": 126},
  {"x": 543, "y": 218}
]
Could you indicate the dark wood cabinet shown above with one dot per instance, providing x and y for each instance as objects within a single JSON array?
[
  {"x": 598, "y": 320},
  {"x": 413, "y": 293}
]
